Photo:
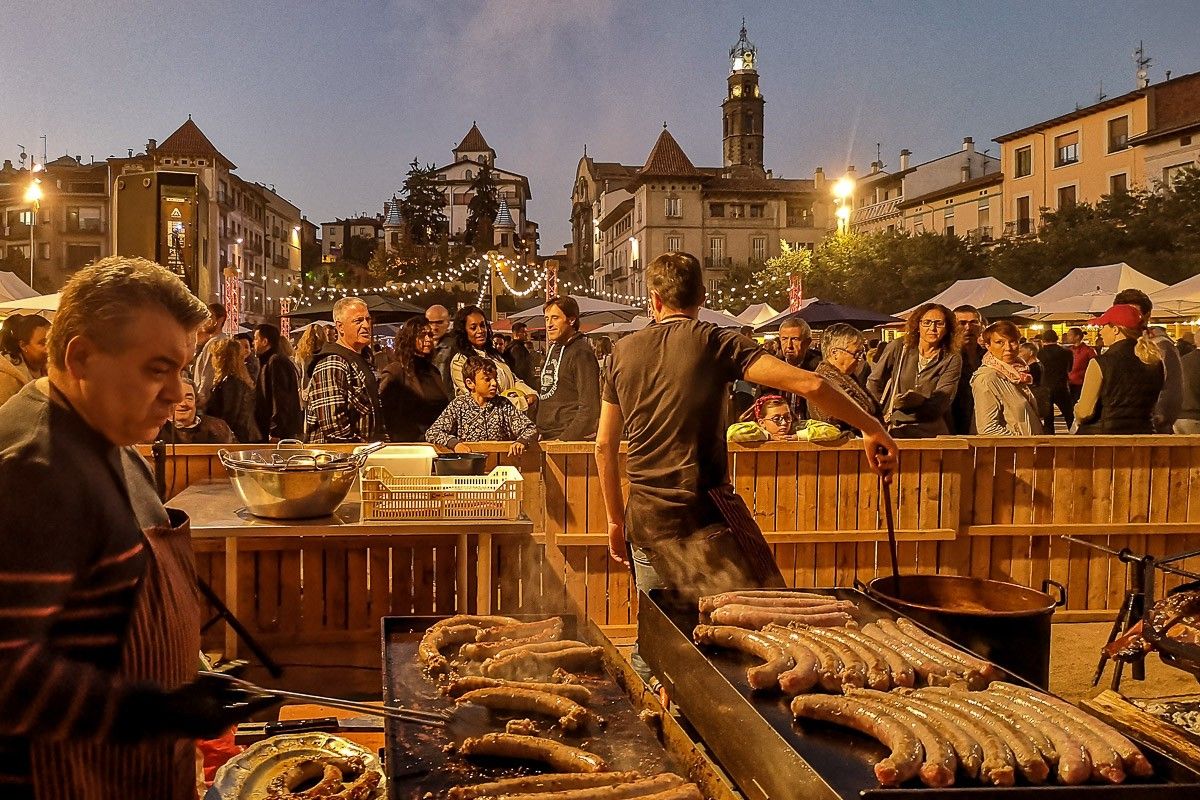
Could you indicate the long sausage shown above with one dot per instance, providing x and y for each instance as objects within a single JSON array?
[
  {"x": 1031, "y": 747},
  {"x": 1074, "y": 760},
  {"x": 999, "y": 764},
  {"x": 1134, "y": 760},
  {"x": 558, "y": 756},
  {"x": 928, "y": 670},
  {"x": 469, "y": 683},
  {"x": 1106, "y": 761},
  {"x": 985, "y": 671},
  {"x": 829, "y": 666},
  {"x": 522, "y": 630},
  {"x": 752, "y": 617},
  {"x": 571, "y": 716},
  {"x": 853, "y": 672},
  {"x": 481, "y": 651},
  {"x": 877, "y": 673},
  {"x": 761, "y": 676},
  {"x": 940, "y": 762},
  {"x": 953, "y": 669},
  {"x": 792, "y": 601},
  {"x": 902, "y": 674},
  {"x": 804, "y": 673},
  {"x": 541, "y": 784},
  {"x": 519, "y": 666},
  {"x": 904, "y": 761},
  {"x": 968, "y": 751},
  {"x": 621, "y": 791},
  {"x": 429, "y": 651}
]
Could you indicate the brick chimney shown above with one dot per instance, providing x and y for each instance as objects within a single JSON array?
[{"x": 151, "y": 146}]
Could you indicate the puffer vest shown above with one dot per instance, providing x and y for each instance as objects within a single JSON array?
[{"x": 1128, "y": 392}]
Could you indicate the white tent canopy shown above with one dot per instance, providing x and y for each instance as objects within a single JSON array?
[
  {"x": 47, "y": 303},
  {"x": 756, "y": 314},
  {"x": 718, "y": 318},
  {"x": 978, "y": 292},
  {"x": 591, "y": 310},
  {"x": 13, "y": 288},
  {"x": 1181, "y": 298},
  {"x": 1111, "y": 278}
]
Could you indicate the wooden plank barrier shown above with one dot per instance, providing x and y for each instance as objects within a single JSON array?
[{"x": 980, "y": 506}]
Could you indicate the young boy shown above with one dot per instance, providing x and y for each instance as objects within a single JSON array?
[{"x": 481, "y": 415}]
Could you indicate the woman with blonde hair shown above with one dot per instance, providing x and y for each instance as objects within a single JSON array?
[
  {"x": 1003, "y": 387},
  {"x": 916, "y": 378},
  {"x": 1122, "y": 384},
  {"x": 232, "y": 398}
]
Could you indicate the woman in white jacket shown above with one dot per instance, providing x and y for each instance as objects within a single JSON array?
[{"x": 1003, "y": 387}]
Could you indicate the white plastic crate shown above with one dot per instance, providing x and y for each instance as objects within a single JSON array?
[{"x": 496, "y": 495}]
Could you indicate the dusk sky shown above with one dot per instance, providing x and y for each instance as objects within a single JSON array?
[{"x": 330, "y": 101}]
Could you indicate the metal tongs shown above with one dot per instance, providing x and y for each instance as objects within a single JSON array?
[{"x": 400, "y": 714}]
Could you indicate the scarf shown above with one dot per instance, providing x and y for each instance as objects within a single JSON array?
[{"x": 1012, "y": 372}]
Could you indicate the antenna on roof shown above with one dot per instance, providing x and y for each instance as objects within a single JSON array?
[
  {"x": 1100, "y": 98},
  {"x": 879, "y": 154},
  {"x": 1143, "y": 62}
]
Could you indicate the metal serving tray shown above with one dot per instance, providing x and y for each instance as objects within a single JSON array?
[{"x": 769, "y": 755}]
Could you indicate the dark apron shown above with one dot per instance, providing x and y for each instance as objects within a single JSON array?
[{"x": 162, "y": 646}]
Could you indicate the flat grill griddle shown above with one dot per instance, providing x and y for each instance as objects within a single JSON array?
[
  {"x": 769, "y": 755},
  {"x": 416, "y": 763}
]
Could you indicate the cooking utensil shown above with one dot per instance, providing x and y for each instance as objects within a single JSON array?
[
  {"x": 460, "y": 464},
  {"x": 290, "y": 482},
  {"x": 891, "y": 530},
  {"x": 410, "y": 715},
  {"x": 248, "y": 774}
]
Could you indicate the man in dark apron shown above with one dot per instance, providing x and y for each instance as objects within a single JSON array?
[
  {"x": 664, "y": 392},
  {"x": 99, "y": 618}
]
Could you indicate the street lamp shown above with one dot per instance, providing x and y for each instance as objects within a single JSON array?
[
  {"x": 843, "y": 193},
  {"x": 33, "y": 196}
]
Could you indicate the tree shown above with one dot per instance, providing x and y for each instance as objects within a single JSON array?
[
  {"x": 421, "y": 205},
  {"x": 481, "y": 211},
  {"x": 359, "y": 249}
]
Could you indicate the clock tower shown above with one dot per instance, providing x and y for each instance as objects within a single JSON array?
[{"x": 742, "y": 111}]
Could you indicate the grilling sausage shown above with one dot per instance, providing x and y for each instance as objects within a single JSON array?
[
  {"x": 829, "y": 666},
  {"x": 521, "y": 665},
  {"x": 940, "y": 762},
  {"x": 741, "y": 616},
  {"x": 1033, "y": 750},
  {"x": 429, "y": 651},
  {"x": 469, "y": 683},
  {"x": 878, "y": 676},
  {"x": 558, "y": 756},
  {"x": 641, "y": 787},
  {"x": 904, "y": 761},
  {"x": 762, "y": 676},
  {"x": 853, "y": 672},
  {"x": 1074, "y": 760},
  {"x": 792, "y": 600},
  {"x": 968, "y": 751},
  {"x": 928, "y": 670},
  {"x": 541, "y": 784},
  {"x": 522, "y": 630},
  {"x": 983, "y": 671},
  {"x": 1107, "y": 764},
  {"x": 999, "y": 763},
  {"x": 804, "y": 673},
  {"x": 479, "y": 651},
  {"x": 902, "y": 674},
  {"x": 954, "y": 670},
  {"x": 1134, "y": 760},
  {"x": 571, "y": 716}
]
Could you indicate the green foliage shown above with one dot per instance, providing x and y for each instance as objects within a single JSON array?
[
  {"x": 481, "y": 211},
  {"x": 360, "y": 249},
  {"x": 421, "y": 205}
]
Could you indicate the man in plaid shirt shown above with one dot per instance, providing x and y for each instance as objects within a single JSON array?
[
  {"x": 482, "y": 415},
  {"x": 343, "y": 395}
]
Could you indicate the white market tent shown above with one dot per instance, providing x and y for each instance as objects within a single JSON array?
[
  {"x": 1111, "y": 278},
  {"x": 13, "y": 288},
  {"x": 1180, "y": 298},
  {"x": 718, "y": 318},
  {"x": 591, "y": 310},
  {"x": 978, "y": 292},
  {"x": 43, "y": 304},
  {"x": 756, "y": 314}
]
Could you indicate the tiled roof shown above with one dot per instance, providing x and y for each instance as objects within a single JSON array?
[
  {"x": 503, "y": 216},
  {"x": 473, "y": 142},
  {"x": 982, "y": 182},
  {"x": 668, "y": 159},
  {"x": 393, "y": 213},
  {"x": 189, "y": 140}
]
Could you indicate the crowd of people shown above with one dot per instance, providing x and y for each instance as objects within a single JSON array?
[{"x": 453, "y": 380}]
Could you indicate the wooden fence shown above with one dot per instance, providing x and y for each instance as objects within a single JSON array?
[{"x": 973, "y": 506}]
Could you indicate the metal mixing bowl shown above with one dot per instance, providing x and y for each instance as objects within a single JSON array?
[{"x": 290, "y": 482}]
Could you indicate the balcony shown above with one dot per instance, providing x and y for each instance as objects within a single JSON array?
[
  {"x": 723, "y": 262},
  {"x": 980, "y": 235},
  {"x": 876, "y": 212},
  {"x": 253, "y": 247},
  {"x": 225, "y": 200},
  {"x": 279, "y": 262},
  {"x": 1021, "y": 227},
  {"x": 18, "y": 231},
  {"x": 95, "y": 227}
]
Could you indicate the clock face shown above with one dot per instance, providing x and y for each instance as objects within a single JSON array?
[{"x": 737, "y": 91}]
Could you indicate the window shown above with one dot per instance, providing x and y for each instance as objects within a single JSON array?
[
  {"x": 44, "y": 251},
  {"x": 83, "y": 219},
  {"x": 1024, "y": 165},
  {"x": 1185, "y": 141},
  {"x": 470, "y": 175},
  {"x": 1066, "y": 196},
  {"x": 504, "y": 240},
  {"x": 716, "y": 209},
  {"x": 79, "y": 255},
  {"x": 1172, "y": 174},
  {"x": 1118, "y": 184},
  {"x": 1066, "y": 149},
  {"x": 674, "y": 243},
  {"x": 948, "y": 221},
  {"x": 674, "y": 207},
  {"x": 1024, "y": 220},
  {"x": 984, "y": 212},
  {"x": 737, "y": 211},
  {"x": 1118, "y": 134},
  {"x": 716, "y": 251},
  {"x": 758, "y": 211},
  {"x": 481, "y": 159},
  {"x": 758, "y": 248}
]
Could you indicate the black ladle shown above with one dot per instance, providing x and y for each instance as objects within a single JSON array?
[{"x": 891, "y": 531}]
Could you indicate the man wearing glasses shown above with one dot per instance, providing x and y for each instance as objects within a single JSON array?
[
  {"x": 970, "y": 325},
  {"x": 795, "y": 350},
  {"x": 343, "y": 396}
]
